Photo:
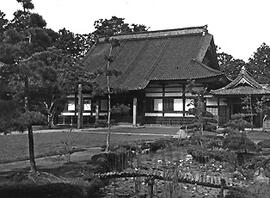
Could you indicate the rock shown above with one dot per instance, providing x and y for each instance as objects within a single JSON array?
[
  {"x": 188, "y": 157},
  {"x": 259, "y": 177},
  {"x": 181, "y": 134}
]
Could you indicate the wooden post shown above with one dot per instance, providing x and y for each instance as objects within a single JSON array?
[
  {"x": 151, "y": 182},
  {"x": 143, "y": 109},
  {"x": 222, "y": 185},
  {"x": 218, "y": 104},
  {"x": 97, "y": 112},
  {"x": 134, "y": 111},
  {"x": 80, "y": 107}
]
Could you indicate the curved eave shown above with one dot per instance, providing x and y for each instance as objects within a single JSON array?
[{"x": 235, "y": 92}]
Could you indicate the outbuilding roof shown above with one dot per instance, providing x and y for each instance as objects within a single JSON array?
[
  {"x": 244, "y": 84},
  {"x": 176, "y": 54}
]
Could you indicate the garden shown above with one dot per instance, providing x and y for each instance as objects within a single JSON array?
[{"x": 225, "y": 164}]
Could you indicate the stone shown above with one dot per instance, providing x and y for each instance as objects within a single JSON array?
[
  {"x": 188, "y": 157},
  {"x": 181, "y": 134},
  {"x": 259, "y": 177}
]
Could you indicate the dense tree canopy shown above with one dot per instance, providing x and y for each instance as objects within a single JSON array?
[
  {"x": 39, "y": 68},
  {"x": 115, "y": 25},
  {"x": 229, "y": 65},
  {"x": 259, "y": 64}
]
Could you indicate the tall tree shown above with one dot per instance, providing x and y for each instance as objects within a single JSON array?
[
  {"x": 106, "y": 28},
  {"x": 3, "y": 24},
  {"x": 24, "y": 37},
  {"x": 75, "y": 45},
  {"x": 229, "y": 65},
  {"x": 259, "y": 64}
]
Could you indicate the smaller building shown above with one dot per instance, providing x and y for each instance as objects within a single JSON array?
[{"x": 231, "y": 98}]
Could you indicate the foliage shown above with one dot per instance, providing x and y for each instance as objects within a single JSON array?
[
  {"x": 115, "y": 25},
  {"x": 259, "y": 64},
  {"x": 240, "y": 193},
  {"x": 239, "y": 142},
  {"x": 8, "y": 115},
  {"x": 228, "y": 64},
  {"x": 238, "y": 122},
  {"x": 75, "y": 45},
  {"x": 59, "y": 190},
  {"x": 33, "y": 67},
  {"x": 110, "y": 161},
  {"x": 204, "y": 155},
  {"x": 120, "y": 109},
  {"x": 203, "y": 120}
]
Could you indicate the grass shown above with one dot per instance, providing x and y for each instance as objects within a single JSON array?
[
  {"x": 148, "y": 130},
  {"x": 15, "y": 147}
]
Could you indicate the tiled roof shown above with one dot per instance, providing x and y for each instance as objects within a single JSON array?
[
  {"x": 244, "y": 84},
  {"x": 159, "y": 55}
]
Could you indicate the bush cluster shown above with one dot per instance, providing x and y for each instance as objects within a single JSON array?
[
  {"x": 59, "y": 190},
  {"x": 106, "y": 162},
  {"x": 203, "y": 155}
]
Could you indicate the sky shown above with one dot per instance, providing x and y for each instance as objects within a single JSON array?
[{"x": 239, "y": 26}]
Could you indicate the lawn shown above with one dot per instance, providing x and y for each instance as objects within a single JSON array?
[
  {"x": 147, "y": 130},
  {"x": 15, "y": 147}
]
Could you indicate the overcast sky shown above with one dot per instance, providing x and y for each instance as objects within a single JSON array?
[{"x": 239, "y": 26}]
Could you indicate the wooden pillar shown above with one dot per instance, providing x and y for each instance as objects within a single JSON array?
[
  {"x": 218, "y": 104},
  {"x": 97, "y": 111},
  {"x": 143, "y": 109},
  {"x": 134, "y": 122},
  {"x": 184, "y": 100},
  {"x": 163, "y": 99},
  {"x": 80, "y": 107}
]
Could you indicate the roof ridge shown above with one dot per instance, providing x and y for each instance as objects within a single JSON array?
[{"x": 160, "y": 33}]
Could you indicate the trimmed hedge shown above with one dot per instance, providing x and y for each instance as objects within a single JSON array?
[{"x": 202, "y": 155}]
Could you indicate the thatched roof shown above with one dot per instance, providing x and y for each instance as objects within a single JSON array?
[{"x": 176, "y": 54}]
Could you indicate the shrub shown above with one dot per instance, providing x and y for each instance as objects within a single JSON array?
[
  {"x": 203, "y": 155},
  {"x": 199, "y": 154},
  {"x": 120, "y": 109},
  {"x": 238, "y": 122},
  {"x": 239, "y": 194},
  {"x": 239, "y": 142},
  {"x": 58, "y": 190},
  {"x": 207, "y": 141},
  {"x": 106, "y": 162}
]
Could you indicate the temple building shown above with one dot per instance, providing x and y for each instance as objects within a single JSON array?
[
  {"x": 155, "y": 68},
  {"x": 234, "y": 94}
]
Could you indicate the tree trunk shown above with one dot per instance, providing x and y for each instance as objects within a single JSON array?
[
  {"x": 108, "y": 138},
  {"x": 30, "y": 129},
  {"x": 31, "y": 149},
  {"x": 50, "y": 121}
]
